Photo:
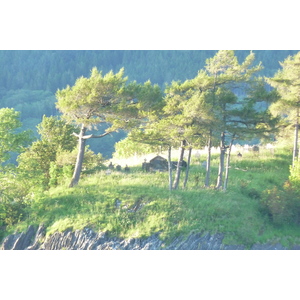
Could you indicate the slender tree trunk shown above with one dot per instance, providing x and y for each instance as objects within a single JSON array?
[
  {"x": 221, "y": 163},
  {"x": 177, "y": 176},
  {"x": 208, "y": 160},
  {"x": 187, "y": 168},
  {"x": 170, "y": 167},
  {"x": 80, "y": 156},
  {"x": 295, "y": 150},
  {"x": 227, "y": 165}
]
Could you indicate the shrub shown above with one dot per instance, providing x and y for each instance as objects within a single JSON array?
[
  {"x": 13, "y": 198},
  {"x": 11, "y": 212},
  {"x": 59, "y": 175},
  {"x": 294, "y": 177},
  {"x": 282, "y": 205},
  {"x": 12, "y": 204}
]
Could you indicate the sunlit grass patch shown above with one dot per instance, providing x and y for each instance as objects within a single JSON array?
[{"x": 139, "y": 204}]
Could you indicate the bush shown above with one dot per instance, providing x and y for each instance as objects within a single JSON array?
[
  {"x": 13, "y": 197},
  {"x": 11, "y": 211},
  {"x": 283, "y": 206},
  {"x": 61, "y": 170},
  {"x": 294, "y": 177}
]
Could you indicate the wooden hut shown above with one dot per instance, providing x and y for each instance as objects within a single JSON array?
[{"x": 158, "y": 163}]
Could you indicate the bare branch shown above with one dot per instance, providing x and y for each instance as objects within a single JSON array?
[
  {"x": 95, "y": 136},
  {"x": 75, "y": 134}
]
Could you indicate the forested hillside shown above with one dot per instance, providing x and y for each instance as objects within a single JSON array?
[
  {"x": 29, "y": 79},
  {"x": 50, "y": 70}
]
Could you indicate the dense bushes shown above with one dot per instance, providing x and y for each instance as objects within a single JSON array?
[
  {"x": 11, "y": 211},
  {"x": 13, "y": 199},
  {"x": 61, "y": 170},
  {"x": 283, "y": 204}
]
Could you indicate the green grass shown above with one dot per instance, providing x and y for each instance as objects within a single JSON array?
[{"x": 139, "y": 204}]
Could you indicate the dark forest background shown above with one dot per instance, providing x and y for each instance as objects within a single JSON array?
[{"x": 30, "y": 78}]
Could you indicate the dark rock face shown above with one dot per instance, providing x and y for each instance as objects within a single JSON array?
[
  {"x": 28, "y": 240},
  {"x": 19, "y": 241},
  {"x": 87, "y": 239}
]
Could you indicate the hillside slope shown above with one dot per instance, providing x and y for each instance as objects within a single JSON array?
[{"x": 138, "y": 205}]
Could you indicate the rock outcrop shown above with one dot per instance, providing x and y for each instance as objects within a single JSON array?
[{"x": 87, "y": 239}]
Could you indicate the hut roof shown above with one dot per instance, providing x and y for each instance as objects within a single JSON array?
[{"x": 157, "y": 158}]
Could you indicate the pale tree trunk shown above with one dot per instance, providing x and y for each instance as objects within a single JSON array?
[
  {"x": 295, "y": 150},
  {"x": 170, "y": 168},
  {"x": 80, "y": 156},
  {"x": 81, "y": 149},
  {"x": 177, "y": 176},
  {"x": 208, "y": 160},
  {"x": 227, "y": 165},
  {"x": 187, "y": 167},
  {"x": 222, "y": 160}
]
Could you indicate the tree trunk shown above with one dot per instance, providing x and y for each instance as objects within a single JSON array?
[
  {"x": 295, "y": 150},
  {"x": 221, "y": 163},
  {"x": 187, "y": 168},
  {"x": 80, "y": 156},
  {"x": 170, "y": 168},
  {"x": 227, "y": 166},
  {"x": 207, "y": 176},
  {"x": 177, "y": 176}
]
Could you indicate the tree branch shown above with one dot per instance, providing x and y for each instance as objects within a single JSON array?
[{"x": 95, "y": 136}]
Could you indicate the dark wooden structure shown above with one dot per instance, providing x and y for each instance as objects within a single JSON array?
[
  {"x": 183, "y": 164},
  {"x": 158, "y": 163}
]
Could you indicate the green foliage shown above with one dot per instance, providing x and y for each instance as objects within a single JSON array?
[
  {"x": 29, "y": 79},
  {"x": 35, "y": 162},
  {"x": 294, "y": 177},
  {"x": 89, "y": 101},
  {"x": 286, "y": 81},
  {"x": 11, "y": 211},
  {"x": 13, "y": 198},
  {"x": 103, "y": 99},
  {"x": 57, "y": 132},
  {"x": 283, "y": 205},
  {"x": 30, "y": 103},
  {"x": 129, "y": 147},
  {"x": 190, "y": 111},
  {"x": 65, "y": 161},
  {"x": 52, "y": 70},
  {"x": 10, "y": 139}
]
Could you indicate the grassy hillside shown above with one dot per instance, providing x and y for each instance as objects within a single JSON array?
[{"x": 139, "y": 204}]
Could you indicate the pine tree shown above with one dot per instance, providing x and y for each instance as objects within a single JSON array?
[{"x": 287, "y": 83}]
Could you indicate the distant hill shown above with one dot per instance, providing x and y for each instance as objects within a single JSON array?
[
  {"x": 30, "y": 78},
  {"x": 50, "y": 70}
]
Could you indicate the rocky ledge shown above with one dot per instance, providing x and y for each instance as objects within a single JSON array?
[{"x": 87, "y": 239}]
